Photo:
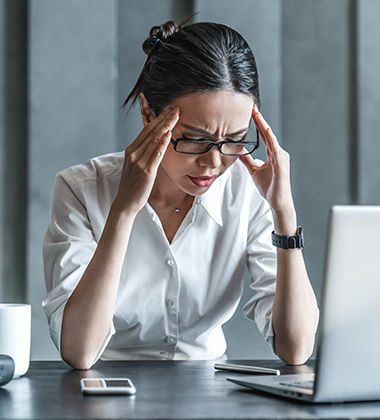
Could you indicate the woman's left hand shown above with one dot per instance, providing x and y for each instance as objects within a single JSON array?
[{"x": 273, "y": 177}]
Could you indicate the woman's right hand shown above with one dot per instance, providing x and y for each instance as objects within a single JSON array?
[{"x": 141, "y": 161}]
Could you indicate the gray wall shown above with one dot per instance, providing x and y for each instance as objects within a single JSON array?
[
  {"x": 2, "y": 141},
  {"x": 14, "y": 148},
  {"x": 368, "y": 62},
  {"x": 316, "y": 114},
  {"x": 318, "y": 65},
  {"x": 72, "y": 114}
]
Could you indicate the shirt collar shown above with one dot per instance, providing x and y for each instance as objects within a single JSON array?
[{"x": 212, "y": 199}]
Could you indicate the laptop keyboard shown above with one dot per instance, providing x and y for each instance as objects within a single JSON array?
[{"x": 299, "y": 384}]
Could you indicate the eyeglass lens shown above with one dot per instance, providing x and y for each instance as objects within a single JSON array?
[{"x": 232, "y": 148}]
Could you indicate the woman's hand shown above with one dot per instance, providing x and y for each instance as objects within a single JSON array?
[
  {"x": 141, "y": 161},
  {"x": 273, "y": 177}
]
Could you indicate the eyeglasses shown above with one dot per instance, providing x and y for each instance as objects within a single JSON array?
[{"x": 227, "y": 148}]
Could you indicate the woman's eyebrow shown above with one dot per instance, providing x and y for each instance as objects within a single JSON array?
[{"x": 206, "y": 133}]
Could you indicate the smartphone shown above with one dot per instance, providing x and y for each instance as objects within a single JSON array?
[{"x": 102, "y": 386}]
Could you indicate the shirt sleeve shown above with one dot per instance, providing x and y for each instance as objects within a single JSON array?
[
  {"x": 68, "y": 247},
  {"x": 262, "y": 267}
]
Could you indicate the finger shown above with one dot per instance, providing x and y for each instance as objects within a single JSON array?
[
  {"x": 264, "y": 127},
  {"x": 262, "y": 132},
  {"x": 167, "y": 124},
  {"x": 150, "y": 144},
  {"x": 154, "y": 136},
  {"x": 159, "y": 152},
  {"x": 147, "y": 129},
  {"x": 259, "y": 119},
  {"x": 258, "y": 123},
  {"x": 270, "y": 141},
  {"x": 247, "y": 159},
  {"x": 272, "y": 147},
  {"x": 249, "y": 163},
  {"x": 269, "y": 153}
]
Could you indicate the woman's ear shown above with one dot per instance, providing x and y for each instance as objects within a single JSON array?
[{"x": 147, "y": 112}]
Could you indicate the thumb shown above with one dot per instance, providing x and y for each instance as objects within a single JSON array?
[{"x": 250, "y": 163}]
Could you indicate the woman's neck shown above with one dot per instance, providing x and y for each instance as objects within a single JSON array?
[
  {"x": 170, "y": 203},
  {"x": 165, "y": 194}
]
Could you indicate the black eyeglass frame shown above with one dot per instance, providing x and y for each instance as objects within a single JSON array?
[{"x": 218, "y": 144}]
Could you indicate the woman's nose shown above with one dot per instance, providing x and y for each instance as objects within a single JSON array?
[{"x": 211, "y": 159}]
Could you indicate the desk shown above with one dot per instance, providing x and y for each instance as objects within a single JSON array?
[{"x": 165, "y": 390}]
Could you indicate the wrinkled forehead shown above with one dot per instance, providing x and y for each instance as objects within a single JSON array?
[{"x": 216, "y": 112}]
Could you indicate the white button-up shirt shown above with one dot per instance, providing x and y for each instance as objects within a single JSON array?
[{"x": 173, "y": 298}]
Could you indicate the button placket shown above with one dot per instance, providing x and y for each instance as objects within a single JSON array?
[{"x": 170, "y": 303}]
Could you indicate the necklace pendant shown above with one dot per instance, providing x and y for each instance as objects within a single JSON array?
[{"x": 176, "y": 210}]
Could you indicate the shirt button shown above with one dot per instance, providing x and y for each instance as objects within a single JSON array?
[
  {"x": 169, "y": 303},
  {"x": 169, "y": 340},
  {"x": 164, "y": 355},
  {"x": 170, "y": 262}
]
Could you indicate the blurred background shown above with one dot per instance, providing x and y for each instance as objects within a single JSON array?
[{"x": 66, "y": 66}]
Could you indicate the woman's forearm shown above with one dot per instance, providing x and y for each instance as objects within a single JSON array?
[
  {"x": 295, "y": 306},
  {"x": 88, "y": 313}
]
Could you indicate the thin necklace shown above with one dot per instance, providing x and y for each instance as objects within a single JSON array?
[{"x": 177, "y": 209}]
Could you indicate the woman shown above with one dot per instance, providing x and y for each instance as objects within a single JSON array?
[{"x": 145, "y": 251}]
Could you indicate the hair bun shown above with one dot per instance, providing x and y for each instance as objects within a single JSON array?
[{"x": 158, "y": 34}]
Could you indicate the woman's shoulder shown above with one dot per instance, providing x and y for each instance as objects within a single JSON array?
[{"x": 95, "y": 169}]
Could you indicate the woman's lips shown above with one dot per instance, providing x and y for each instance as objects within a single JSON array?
[{"x": 202, "y": 181}]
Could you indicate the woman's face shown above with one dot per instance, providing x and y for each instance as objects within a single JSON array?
[{"x": 214, "y": 115}]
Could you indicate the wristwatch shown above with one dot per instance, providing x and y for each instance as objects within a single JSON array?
[{"x": 289, "y": 242}]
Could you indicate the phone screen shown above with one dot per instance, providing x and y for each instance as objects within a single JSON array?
[
  {"x": 109, "y": 383},
  {"x": 113, "y": 383}
]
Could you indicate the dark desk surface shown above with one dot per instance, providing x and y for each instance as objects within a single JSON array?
[{"x": 165, "y": 390}]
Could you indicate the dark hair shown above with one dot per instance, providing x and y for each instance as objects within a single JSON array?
[{"x": 195, "y": 58}]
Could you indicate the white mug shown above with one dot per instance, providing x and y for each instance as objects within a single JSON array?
[{"x": 15, "y": 327}]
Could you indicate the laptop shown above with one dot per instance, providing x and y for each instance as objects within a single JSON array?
[{"x": 348, "y": 350}]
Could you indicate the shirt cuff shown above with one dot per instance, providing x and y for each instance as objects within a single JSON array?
[
  {"x": 269, "y": 333},
  {"x": 111, "y": 332}
]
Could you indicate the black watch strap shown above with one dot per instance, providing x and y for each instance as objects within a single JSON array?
[{"x": 289, "y": 242}]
